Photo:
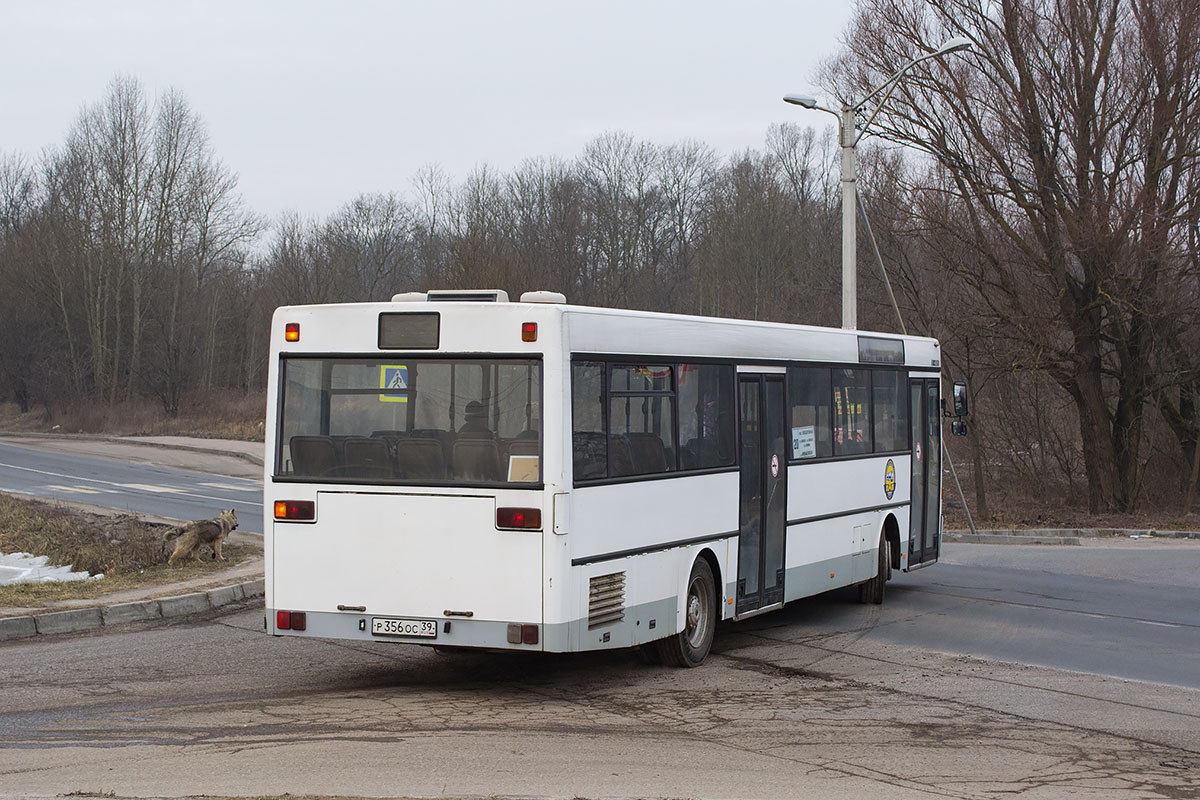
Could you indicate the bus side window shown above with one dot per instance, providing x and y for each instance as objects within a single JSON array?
[
  {"x": 641, "y": 419},
  {"x": 706, "y": 415},
  {"x": 852, "y": 411},
  {"x": 588, "y": 446},
  {"x": 809, "y": 391},
  {"x": 890, "y": 410}
]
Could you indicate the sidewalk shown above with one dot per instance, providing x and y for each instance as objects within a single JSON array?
[{"x": 192, "y": 595}]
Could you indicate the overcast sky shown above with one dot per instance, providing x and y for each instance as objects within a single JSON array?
[{"x": 313, "y": 103}]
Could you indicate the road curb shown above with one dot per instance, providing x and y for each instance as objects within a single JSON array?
[
  {"x": 85, "y": 619},
  {"x": 1059, "y": 536}
]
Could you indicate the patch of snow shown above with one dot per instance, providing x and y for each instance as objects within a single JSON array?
[{"x": 28, "y": 568}]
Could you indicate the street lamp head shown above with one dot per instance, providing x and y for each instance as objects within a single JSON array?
[
  {"x": 953, "y": 45},
  {"x": 800, "y": 100}
]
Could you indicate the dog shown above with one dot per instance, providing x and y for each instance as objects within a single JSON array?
[{"x": 193, "y": 535}]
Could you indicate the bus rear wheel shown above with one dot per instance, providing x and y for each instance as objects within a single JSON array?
[
  {"x": 689, "y": 647},
  {"x": 871, "y": 591}
]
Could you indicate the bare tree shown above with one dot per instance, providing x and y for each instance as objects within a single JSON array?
[
  {"x": 370, "y": 244},
  {"x": 1068, "y": 134}
]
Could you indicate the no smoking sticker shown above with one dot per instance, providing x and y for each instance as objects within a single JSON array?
[{"x": 774, "y": 466}]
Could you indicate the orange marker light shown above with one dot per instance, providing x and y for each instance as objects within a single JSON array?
[
  {"x": 528, "y": 331},
  {"x": 291, "y": 332},
  {"x": 296, "y": 510}
]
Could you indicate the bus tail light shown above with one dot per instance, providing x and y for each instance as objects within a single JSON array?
[
  {"x": 296, "y": 510},
  {"x": 519, "y": 633},
  {"x": 291, "y": 332},
  {"x": 291, "y": 620},
  {"x": 519, "y": 519}
]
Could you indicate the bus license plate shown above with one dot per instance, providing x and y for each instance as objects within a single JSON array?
[{"x": 398, "y": 626}]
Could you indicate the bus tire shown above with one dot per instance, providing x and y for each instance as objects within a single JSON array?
[
  {"x": 689, "y": 647},
  {"x": 871, "y": 591}
]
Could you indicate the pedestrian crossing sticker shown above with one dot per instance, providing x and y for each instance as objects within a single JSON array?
[{"x": 394, "y": 376}]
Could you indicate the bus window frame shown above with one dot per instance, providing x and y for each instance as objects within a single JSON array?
[
  {"x": 906, "y": 373},
  {"x": 609, "y": 360},
  {"x": 326, "y": 357}
]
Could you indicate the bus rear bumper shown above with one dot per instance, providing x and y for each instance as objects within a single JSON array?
[{"x": 489, "y": 634}]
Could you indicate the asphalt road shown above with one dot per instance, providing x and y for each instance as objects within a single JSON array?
[
  {"x": 1123, "y": 608},
  {"x": 1005, "y": 669},
  {"x": 141, "y": 488},
  {"x": 826, "y": 698}
]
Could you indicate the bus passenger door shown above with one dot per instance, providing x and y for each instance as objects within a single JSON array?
[
  {"x": 925, "y": 511},
  {"x": 763, "y": 505}
]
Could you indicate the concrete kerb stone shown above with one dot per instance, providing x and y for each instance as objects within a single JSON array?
[
  {"x": 225, "y": 595},
  {"x": 131, "y": 612},
  {"x": 183, "y": 604},
  {"x": 17, "y": 627},
  {"x": 77, "y": 619},
  {"x": 82, "y": 619}
]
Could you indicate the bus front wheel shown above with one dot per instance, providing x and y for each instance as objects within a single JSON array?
[{"x": 689, "y": 647}]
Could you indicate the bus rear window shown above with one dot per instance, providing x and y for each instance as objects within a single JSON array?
[{"x": 410, "y": 420}]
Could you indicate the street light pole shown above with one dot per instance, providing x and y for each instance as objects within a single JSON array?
[
  {"x": 848, "y": 137},
  {"x": 849, "y": 219}
]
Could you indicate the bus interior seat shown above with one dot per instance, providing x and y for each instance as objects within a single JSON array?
[
  {"x": 442, "y": 437},
  {"x": 648, "y": 453},
  {"x": 587, "y": 449},
  {"x": 698, "y": 453},
  {"x": 391, "y": 437},
  {"x": 620, "y": 457},
  {"x": 523, "y": 447},
  {"x": 420, "y": 459},
  {"x": 477, "y": 459},
  {"x": 313, "y": 455},
  {"x": 366, "y": 457}
]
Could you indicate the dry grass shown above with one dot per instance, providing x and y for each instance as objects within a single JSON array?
[
  {"x": 1024, "y": 514},
  {"x": 128, "y": 551},
  {"x": 86, "y": 542},
  {"x": 223, "y": 414}
]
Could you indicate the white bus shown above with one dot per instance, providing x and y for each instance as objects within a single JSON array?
[{"x": 458, "y": 470}]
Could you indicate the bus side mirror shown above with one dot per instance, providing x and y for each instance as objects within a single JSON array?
[
  {"x": 958, "y": 427},
  {"x": 960, "y": 401}
]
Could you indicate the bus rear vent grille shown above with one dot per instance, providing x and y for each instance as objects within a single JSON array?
[{"x": 606, "y": 600}]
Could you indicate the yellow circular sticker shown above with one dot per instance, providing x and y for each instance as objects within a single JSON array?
[{"x": 889, "y": 479}]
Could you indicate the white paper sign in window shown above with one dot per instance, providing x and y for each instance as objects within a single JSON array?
[{"x": 804, "y": 442}]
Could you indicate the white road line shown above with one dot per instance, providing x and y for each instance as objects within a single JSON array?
[
  {"x": 72, "y": 488},
  {"x": 182, "y": 492},
  {"x": 145, "y": 487}
]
